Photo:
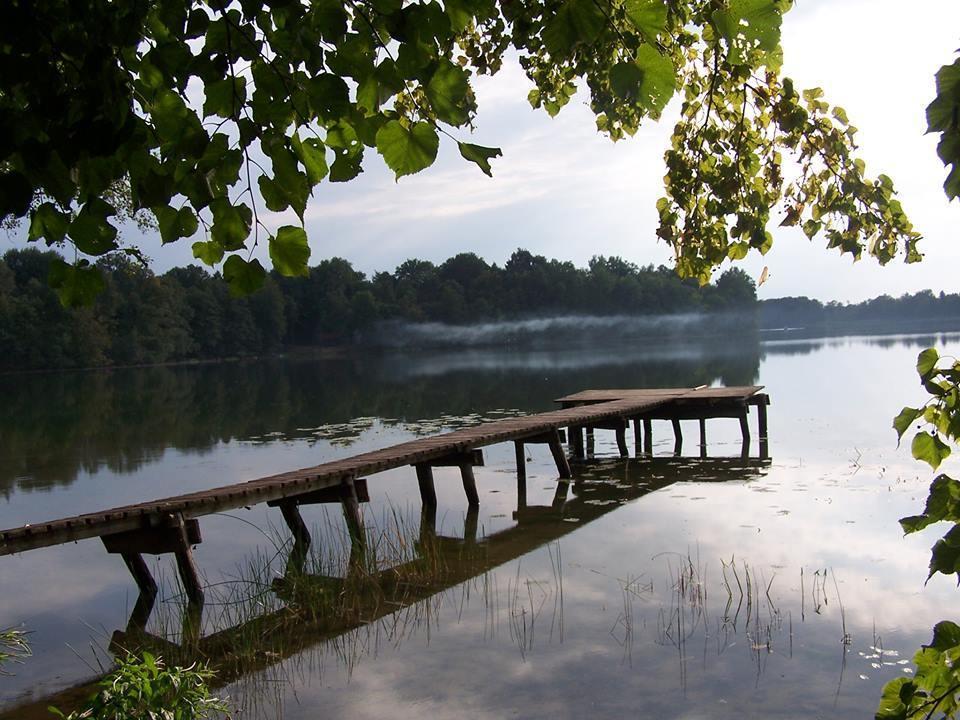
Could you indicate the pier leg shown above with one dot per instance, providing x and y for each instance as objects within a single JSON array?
[
  {"x": 470, "y": 485},
  {"x": 559, "y": 457},
  {"x": 140, "y": 615},
  {"x": 590, "y": 442},
  {"x": 648, "y": 436},
  {"x": 470, "y": 523},
  {"x": 141, "y": 574},
  {"x": 191, "y": 626},
  {"x": 637, "y": 437},
  {"x": 622, "y": 442},
  {"x": 560, "y": 496},
  {"x": 576, "y": 441},
  {"x": 744, "y": 427},
  {"x": 428, "y": 524},
  {"x": 677, "y": 437},
  {"x": 291, "y": 516},
  {"x": 186, "y": 566},
  {"x": 762, "y": 430},
  {"x": 521, "y": 460},
  {"x": 351, "y": 511},
  {"x": 703, "y": 437},
  {"x": 428, "y": 493}
]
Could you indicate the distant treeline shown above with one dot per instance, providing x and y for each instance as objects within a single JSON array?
[
  {"x": 188, "y": 314},
  {"x": 802, "y": 312}
]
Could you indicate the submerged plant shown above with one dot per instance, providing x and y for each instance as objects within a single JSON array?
[
  {"x": 13, "y": 646},
  {"x": 144, "y": 687}
]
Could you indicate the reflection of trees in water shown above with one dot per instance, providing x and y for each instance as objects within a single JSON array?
[
  {"x": 54, "y": 426},
  {"x": 799, "y": 343}
]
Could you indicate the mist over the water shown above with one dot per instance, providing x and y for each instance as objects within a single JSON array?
[{"x": 550, "y": 331}]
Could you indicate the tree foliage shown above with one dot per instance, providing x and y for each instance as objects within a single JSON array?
[
  {"x": 212, "y": 113},
  {"x": 189, "y": 314}
]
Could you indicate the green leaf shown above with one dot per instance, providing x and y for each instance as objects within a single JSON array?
[
  {"x": 945, "y": 555},
  {"x": 91, "y": 231},
  {"x": 576, "y": 22},
  {"x": 407, "y": 151},
  {"x": 459, "y": 13},
  {"x": 480, "y": 155},
  {"x": 927, "y": 361},
  {"x": 902, "y": 421},
  {"x": 225, "y": 97},
  {"x": 659, "y": 80},
  {"x": 49, "y": 223},
  {"x": 312, "y": 153},
  {"x": 447, "y": 92},
  {"x": 930, "y": 449},
  {"x": 175, "y": 224},
  {"x": 946, "y": 636},
  {"x": 897, "y": 694},
  {"x": 243, "y": 277},
  {"x": 943, "y": 503},
  {"x": 625, "y": 80},
  {"x": 758, "y": 21},
  {"x": 231, "y": 223},
  {"x": 290, "y": 251},
  {"x": 273, "y": 195},
  {"x": 76, "y": 285},
  {"x": 647, "y": 16},
  {"x": 209, "y": 253}
]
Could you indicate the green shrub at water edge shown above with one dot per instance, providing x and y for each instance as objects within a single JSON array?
[{"x": 144, "y": 688}]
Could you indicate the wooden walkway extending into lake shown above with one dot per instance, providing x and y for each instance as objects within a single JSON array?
[{"x": 170, "y": 525}]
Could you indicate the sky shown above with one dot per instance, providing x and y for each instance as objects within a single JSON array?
[{"x": 564, "y": 191}]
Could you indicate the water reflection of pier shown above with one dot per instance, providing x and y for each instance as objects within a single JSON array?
[{"x": 318, "y": 607}]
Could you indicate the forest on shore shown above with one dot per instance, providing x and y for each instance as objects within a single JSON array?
[{"x": 189, "y": 314}]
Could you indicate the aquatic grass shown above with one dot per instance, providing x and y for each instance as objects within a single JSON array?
[
  {"x": 14, "y": 647},
  {"x": 145, "y": 687}
]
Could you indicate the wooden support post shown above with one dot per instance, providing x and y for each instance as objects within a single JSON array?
[
  {"x": 590, "y": 442},
  {"x": 560, "y": 495},
  {"x": 521, "y": 460},
  {"x": 470, "y": 523},
  {"x": 762, "y": 401},
  {"x": 192, "y": 625},
  {"x": 744, "y": 427},
  {"x": 140, "y": 615},
  {"x": 141, "y": 574},
  {"x": 291, "y": 516},
  {"x": 185, "y": 564},
  {"x": 428, "y": 493},
  {"x": 428, "y": 523},
  {"x": 576, "y": 441},
  {"x": 622, "y": 441},
  {"x": 521, "y": 474},
  {"x": 677, "y": 437},
  {"x": 559, "y": 457},
  {"x": 470, "y": 485},
  {"x": 351, "y": 511},
  {"x": 637, "y": 437},
  {"x": 703, "y": 432},
  {"x": 164, "y": 534},
  {"x": 648, "y": 436}
]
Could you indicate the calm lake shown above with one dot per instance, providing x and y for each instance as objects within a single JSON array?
[{"x": 668, "y": 587}]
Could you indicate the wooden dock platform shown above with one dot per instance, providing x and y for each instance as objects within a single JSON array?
[{"x": 170, "y": 525}]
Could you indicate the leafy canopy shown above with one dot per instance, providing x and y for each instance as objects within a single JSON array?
[{"x": 210, "y": 113}]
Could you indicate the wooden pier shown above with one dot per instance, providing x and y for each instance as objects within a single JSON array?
[
  {"x": 171, "y": 525},
  {"x": 319, "y": 608}
]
